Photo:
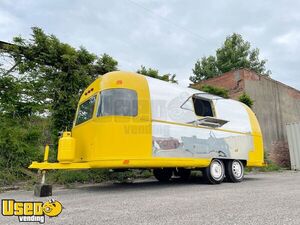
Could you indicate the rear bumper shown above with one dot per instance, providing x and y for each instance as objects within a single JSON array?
[{"x": 256, "y": 164}]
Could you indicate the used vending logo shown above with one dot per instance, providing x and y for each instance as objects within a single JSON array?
[{"x": 31, "y": 211}]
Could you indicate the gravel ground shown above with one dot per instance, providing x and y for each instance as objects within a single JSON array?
[{"x": 262, "y": 198}]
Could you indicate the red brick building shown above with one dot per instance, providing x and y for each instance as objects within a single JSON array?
[{"x": 275, "y": 105}]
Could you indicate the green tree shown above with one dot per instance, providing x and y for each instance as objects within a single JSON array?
[
  {"x": 244, "y": 98},
  {"x": 106, "y": 64},
  {"x": 204, "y": 69},
  {"x": 235, "y": 53},
  {"x": 18, "y": 94},
  {"x": 9, "y": 95},
  {"x": 41, "y": 80},
  {"x": 61, "y": 72},
  {"x": 19, "y": 98},
  {"x": 20, "y": 130},
  {"x": 222, "y": 92},
  {"x": 155, "y": 74}
]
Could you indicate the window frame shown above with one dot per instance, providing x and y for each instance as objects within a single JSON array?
[
  {"x": 78, "y": 108},
  {"x": 99, "y": 103},
  {"x": 205, "y": 99}
]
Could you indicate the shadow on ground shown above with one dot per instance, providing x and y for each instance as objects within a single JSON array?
[{"x": 153, "y": 184}]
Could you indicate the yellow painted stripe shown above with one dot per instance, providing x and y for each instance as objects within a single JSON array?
[
  {"x": 125, "y": 163},
  {"x": 203, "y": 127}
]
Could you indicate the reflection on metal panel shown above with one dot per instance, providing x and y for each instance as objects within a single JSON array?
[
  {"x": 167, "y": 99},
  {"x": 234, "y": 112},
  {"x": 172, "y": 140},
  {"x": 293, "y": 136}
]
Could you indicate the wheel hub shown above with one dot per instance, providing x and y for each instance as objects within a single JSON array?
[
  {"x": 237, "y": 169},
  {"x": 216, "y": 170}
]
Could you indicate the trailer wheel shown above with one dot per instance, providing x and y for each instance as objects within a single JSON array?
[
  {"x": 184, "y": 174},
  {"x": 163, "y": 175},
  {"x": 234, "y": 171},
  {"x": 215, "y": 173}
]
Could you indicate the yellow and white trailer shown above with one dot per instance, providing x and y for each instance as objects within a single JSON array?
[{"x": 127, "y": 120}]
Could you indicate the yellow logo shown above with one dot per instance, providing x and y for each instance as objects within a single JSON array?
[
  {"x": 52, "y": 208},
  {"x": 31, "y": 211}
]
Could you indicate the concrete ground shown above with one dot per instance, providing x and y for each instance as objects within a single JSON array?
[{"x": 263, "y": 198}]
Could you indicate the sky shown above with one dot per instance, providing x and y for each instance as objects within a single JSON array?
[{"x": 166, "y": 35}]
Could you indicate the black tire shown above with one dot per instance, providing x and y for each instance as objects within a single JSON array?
[
  {"x": 215, "y": 172},
  {"x": 234, "y": 171},
  {"x": 163, "y": 175},
  {"x": 184, "y": 174}
]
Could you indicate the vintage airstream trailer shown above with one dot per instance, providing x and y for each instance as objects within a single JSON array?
[{"x": 127, "y": 120}]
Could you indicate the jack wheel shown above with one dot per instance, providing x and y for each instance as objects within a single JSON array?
[{"x": 163, "y": 175}]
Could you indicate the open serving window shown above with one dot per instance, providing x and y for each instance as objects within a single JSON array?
[{"x": 203, "y": 107}]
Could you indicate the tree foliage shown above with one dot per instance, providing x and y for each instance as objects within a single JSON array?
[
  {"x": 18, "y": 141},
  {"x": 41, "y": 80},
  {"x": 244, "y": 98},
  {"x": 106, "y": 64},
  {"x": 222, "y": 92},
  {"x": 56, "y": 73},
  {"x": 204, "y": 69},
  {"x": 235, "y": 53},
  {"x": 21, "y": 142},
  {"x": 155, "y": 74}
]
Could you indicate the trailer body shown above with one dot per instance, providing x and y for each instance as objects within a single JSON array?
[{"x": 127, "y": 120}]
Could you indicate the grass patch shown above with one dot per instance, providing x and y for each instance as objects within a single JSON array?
[
  {"x": 270, "y": 167},
  {"x": 69, "y": 177},
  {"x": 27, "y": 178},
  {"x": 76, "y": 176},
  {"x": 15, "y": 176},
  {"x": 7, "y": 177}
]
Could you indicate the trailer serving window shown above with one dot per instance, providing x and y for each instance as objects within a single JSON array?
[
  {"x": 202, "y": 107},
  {"x": 118, "y": 102},
  {"x": 85, "y": 111}
]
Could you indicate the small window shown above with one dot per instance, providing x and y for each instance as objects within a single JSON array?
[
  {"x": 202, "y": 107},
  {"x": 86, "y": 110},
  {"x": 118, "y": 102}
]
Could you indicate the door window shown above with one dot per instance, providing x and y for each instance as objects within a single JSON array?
[{"x": 85, "y": 111}]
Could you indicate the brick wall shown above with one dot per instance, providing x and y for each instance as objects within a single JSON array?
[
  {"x": 275, "y": 104},
  {"x": 233, "y": 81}
]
